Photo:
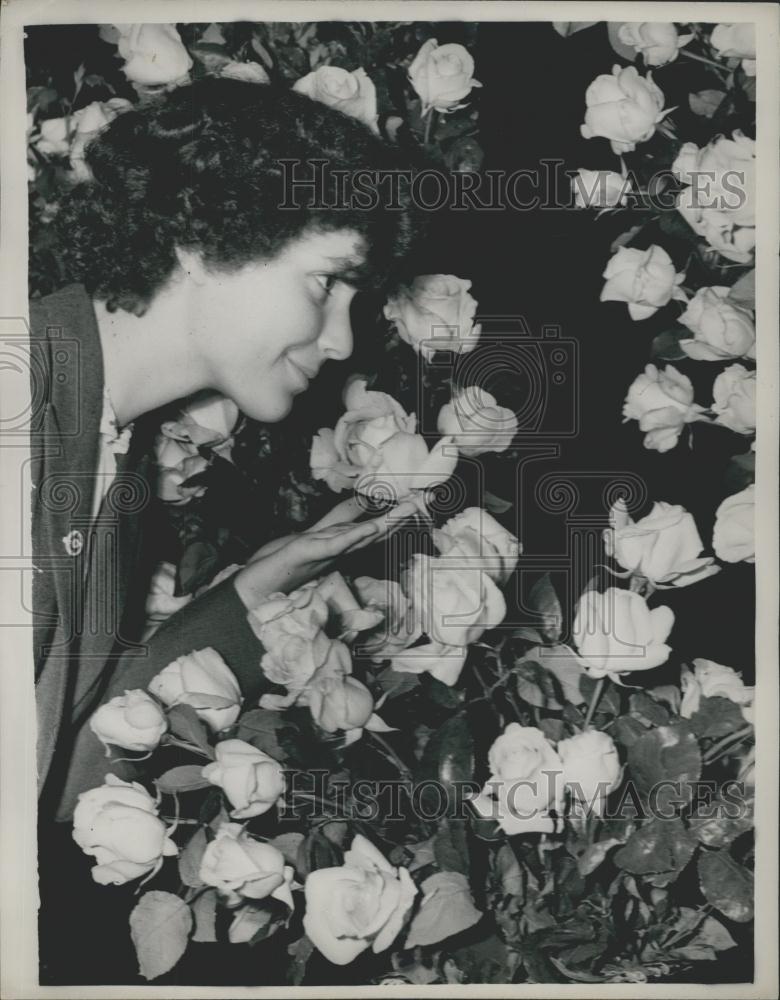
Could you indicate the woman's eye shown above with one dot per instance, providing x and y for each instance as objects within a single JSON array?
[{"x": 327, "y": 282}]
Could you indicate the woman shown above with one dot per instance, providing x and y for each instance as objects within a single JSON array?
[{"x": 188, "y": 276}]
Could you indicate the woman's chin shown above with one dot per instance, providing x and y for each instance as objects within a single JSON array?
[{"x": 269, "y": 411}]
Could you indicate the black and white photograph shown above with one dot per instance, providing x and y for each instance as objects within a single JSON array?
[{"x": 389, "y": 457}]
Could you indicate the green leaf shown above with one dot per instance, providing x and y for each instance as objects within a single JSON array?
[
  {"x": 644, "y": 708},
  {"x": 666, "y": 345},
  {"x": 197, "y": 565},
  {"x": 300, "y": 951},
  {"x": 740, "y": 472},
  {"x": 661, "y": 845},
  {"x": 442, "y": 694},
  {"x": 674, "y": 225},
  {"x": 543, "y": 601},
  {"x": 190, "y": 859},
  {"x": 393, "y": 683},
  {"x": 721, "y": 828},
  {"x": 565, "y": 668},
  {"x": 494, "y": 504},
  {"x": 706, "y": 102},
  {"x": 184, "y": 723},
  {"x": 204, "y": 912},
  {"x": 669, "y": 754},
  {"x": 713, "y": 933},
  {"x": 316, "y": 851},
  {"x": 448, "y": 758},
  {"x": 160, "y": 926},
  {"x": 261, "y": 728},
  {"x": 595, "y": 854},
  {"x": 447, "y": 908},
  {"x": 743, "y": 292},
  {"x": 450, "y": 846},
  {"x": 289, "y": 844},
  {"x": 627, "y": 730},
  {"x": 534, "y": 685},
  {"x": 251, "y": 925},
  {"x": 727, "y": 885},
  {"x": 187, "y": 778},
  {"x": 716, "y": 717}
]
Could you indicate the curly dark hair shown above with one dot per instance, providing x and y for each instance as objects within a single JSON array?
[{"x": 201, "y": 169}]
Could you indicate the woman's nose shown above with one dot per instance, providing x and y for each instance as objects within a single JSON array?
[{"x": 336, "y": 338}]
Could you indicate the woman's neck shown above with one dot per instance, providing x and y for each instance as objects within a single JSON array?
[{"x": 146, "y": 361}]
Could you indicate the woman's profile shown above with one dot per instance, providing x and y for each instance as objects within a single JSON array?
[{"x": 185, "y": 276}]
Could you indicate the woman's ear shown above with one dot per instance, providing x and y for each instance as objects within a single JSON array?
[{"x": 191, "y": 262}]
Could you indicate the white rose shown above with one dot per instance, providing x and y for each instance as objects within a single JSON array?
[
  {"x": 721, "y": 330},
  {"x": 664, "y": 546},
  {"x": 600, "y": 189},
  {"x": 117, "y": 824},
  {"x": 251, "y": 72},
  {"x": 352, "y": 93},
  {"x": 657, "y": 41},
  {"x": 132, "y": 720},
  {"x": 398, "y": 629},
  {"x": 476, "y": 423},
  {"x": 154, "y": 53},
  {"x": 361, "y": 904},
  {"x": 177, "y": 462},
  {"x": 435, "y": 313},
  {"x": 89, "y": 122},
  {"x": 290, "y": 627},
  {"x": 375, "y": 449},
  {"x": 438, "y": 659},
  {"x": 240, "y": 867},
  {"x": 476, "y": 534},
  {"x": 720, "y": 204},
  {"x": 252, "y": 781},
  {"x": 452, "y": 606},
  {"x": 734, "y": 399},
  {"x": 622, "y": 107},
  {"x": 205, "y": 422},
  {"x": 644, "y": 279},
  {"x": 736, "y": 41},
  {"x": 54, "y": 137},
  {"x": 615, "y": 632},
  {"x": 339, "y": 702},
  {"x": 591, "y": 768},
  {"x": 712, "y": 680},
  {"x": 203, "y": 680},
  {"x": 442, "y": 76},
  {"x": 160, "y": 602},
  {"x": 734, "y": 536},
  {"x": 662, "y": 401},
  {"x": 525, "y": 782}
]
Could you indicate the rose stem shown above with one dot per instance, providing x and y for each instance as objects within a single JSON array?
[
  {"x": 391, "y": 755},
  {"x": 428, "y": 124},
  {"x": 594, "y": 700}
]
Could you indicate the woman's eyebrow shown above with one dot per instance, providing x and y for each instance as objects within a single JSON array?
[{"x": 352, "y": 270}]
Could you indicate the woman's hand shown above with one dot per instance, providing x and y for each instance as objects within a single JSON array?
[{"x": 289, "y": 562}]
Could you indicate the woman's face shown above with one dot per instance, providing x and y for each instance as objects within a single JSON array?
[{"x": 263, "y": 333}]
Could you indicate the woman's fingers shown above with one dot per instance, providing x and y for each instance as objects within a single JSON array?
[{"x": 347, "y": 510}]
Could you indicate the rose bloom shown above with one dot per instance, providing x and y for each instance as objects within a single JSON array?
[
  {"x": 720, "y": 203},
  {"x": 160, "y": 602},
  {"x": 252, "y": 781},
  {"x": 336, "y": 700},
  {"x": 615, "y": 632},
  {"x": 117, "y": 824},
  {"x": 251, "y": 72},
  {"x": 442, "y": 76},
  {"x": 712, "y": 680},
  {"x": 438, "y": 659},
  {"x": 591, "y": 768},
  {"x": 398, "y": 629},
  {"x": 525, "y": 782},
  {"x": 721, "y": 330},
  {"x": 352, "y": 93},
  {"x": 476, "y": 423},
  {"x": 657, "y": 41},
  {"x": 178, "y": 462},
  {"x": 664, "y": 546},
  {"x": 600, "y": 189},
  {"x": 361, "y": 904},
  {"x": 734, "y": 535},
  {"x": 375, "y": 450},
  {"x": 205, "y": 422},
  {"x": 622, "y": 107},
  {"x": 736, "y": 41},
  {"x": 435, "y": 313},
  {"x": 734, "y": 399},
  {"x": 662, "y": 401},
  {"x": 154, "y": 53},
  {"x": 132, "y": 720},
  {"x": 290, "y": 627},
  {"x": 476, "y": 535},
  {"x": 452, "y": 606},
  {"x": 644, "y": 279},
  {"x": 240, "y": 867},
  {"x": 203, "y": 680}
]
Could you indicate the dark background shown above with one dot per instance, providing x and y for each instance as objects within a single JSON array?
[{"x": 543, "y": 265}]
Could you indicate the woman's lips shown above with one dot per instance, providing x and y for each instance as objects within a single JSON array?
[{"x": 302, "y": 375}]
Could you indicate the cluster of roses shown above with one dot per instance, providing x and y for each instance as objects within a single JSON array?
[{"x": 155, "y": 58}]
